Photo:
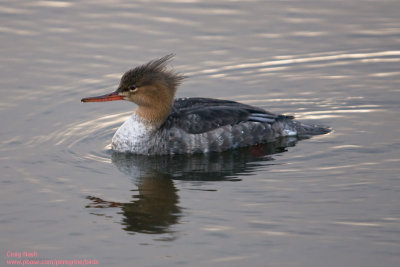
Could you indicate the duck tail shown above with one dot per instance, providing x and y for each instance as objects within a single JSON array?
[{"x": 311, "y": 129}]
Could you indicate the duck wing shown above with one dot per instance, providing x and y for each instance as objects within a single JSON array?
[{"x": 199, "y": 115}]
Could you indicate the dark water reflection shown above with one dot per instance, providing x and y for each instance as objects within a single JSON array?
[
  {"x": 155, "y": 206},
  {"x": 153, "y": 209}
]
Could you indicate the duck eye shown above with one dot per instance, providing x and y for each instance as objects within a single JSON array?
[{"x": 132, "y": 88}]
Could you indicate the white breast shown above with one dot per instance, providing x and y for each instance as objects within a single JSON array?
[{"x": 133, "y": 136}]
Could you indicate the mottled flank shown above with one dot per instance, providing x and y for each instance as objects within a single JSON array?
[{"x": 201, "y": 125}]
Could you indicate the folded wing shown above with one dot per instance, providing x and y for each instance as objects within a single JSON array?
[{"x": 198, "y": 115}]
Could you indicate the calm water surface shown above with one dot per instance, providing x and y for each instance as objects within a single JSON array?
[{"x": 331, "y": 200}]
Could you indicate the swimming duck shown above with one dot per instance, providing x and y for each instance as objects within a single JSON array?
[{"x": 162, "y": 124}]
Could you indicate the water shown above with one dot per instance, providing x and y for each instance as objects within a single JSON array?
[{"x": 331, "y": 200}]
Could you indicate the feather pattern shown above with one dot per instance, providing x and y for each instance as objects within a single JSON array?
[
  {"x": 201, "y": 125},
  {"x": 198, "y": 115}
]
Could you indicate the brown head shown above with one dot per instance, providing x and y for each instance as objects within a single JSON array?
[{"x": 151, "y": 86}]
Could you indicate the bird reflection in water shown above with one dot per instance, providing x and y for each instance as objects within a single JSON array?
[
  {"x": 152, "y": 210},
  {"x": 155, "y": 209}
]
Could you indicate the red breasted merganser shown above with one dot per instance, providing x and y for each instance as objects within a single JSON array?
[{"x": 164, "y": 125}]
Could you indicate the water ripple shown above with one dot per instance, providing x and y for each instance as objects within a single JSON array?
[{"x": 328, "y": 59}]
